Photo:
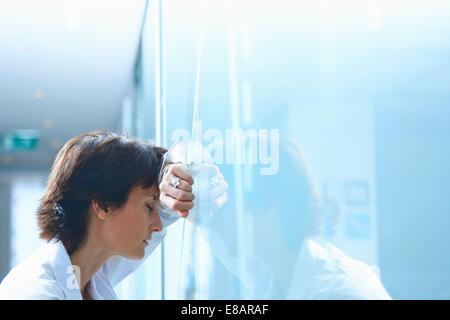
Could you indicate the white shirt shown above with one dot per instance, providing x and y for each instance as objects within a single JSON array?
[
  {"x": 323, "y": 272},
  {"x": 48, "y": 273}
]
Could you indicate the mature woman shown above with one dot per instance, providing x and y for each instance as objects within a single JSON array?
[{"x": 108, "y": 202}]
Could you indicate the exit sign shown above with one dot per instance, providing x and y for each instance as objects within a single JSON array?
[{"x": 19, "y": 140}]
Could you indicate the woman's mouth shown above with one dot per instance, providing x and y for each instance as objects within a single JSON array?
[{"x": 147, "y": 240}]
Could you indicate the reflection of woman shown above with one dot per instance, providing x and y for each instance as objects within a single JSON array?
[
  {"x": 100, "y": 215},
  {"x": 320, "y": 270},
  {"x": 287, "y": 258}
]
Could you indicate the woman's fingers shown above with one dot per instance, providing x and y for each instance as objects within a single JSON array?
[
  {"x": 182, "y": 184},
  {"x": 184, "y": 214},
  {"x": 177, "y": 205},
  {"x": 178, "y": 194},
  {"x": 180, "y": 171},
  {"x": 179, "y": 198}
]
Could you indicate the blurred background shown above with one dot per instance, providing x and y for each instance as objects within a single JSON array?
[{"x": 361, "y": 87}]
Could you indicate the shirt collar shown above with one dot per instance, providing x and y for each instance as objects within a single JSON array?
[{"x": 63, "y": 270}]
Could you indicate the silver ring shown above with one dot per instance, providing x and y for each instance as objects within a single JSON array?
[{"x": 176, "y": 182}]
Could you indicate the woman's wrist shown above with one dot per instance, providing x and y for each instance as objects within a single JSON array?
[{"x": 165, "y": 168}]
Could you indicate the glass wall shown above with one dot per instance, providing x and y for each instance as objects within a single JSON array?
[{"x": 329, "y": 122}]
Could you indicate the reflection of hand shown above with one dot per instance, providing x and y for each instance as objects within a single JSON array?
[
  {"x": 210, "y": 187},
  {"x": 178, "y": 198}
]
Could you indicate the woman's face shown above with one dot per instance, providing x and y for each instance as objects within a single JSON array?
[{"x": 128, "y": 229}]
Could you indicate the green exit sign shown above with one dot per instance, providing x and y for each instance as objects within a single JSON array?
[{"x": 19, "y": 140}]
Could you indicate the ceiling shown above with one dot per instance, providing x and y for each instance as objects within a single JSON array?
[{"x": 65, "y": 67}]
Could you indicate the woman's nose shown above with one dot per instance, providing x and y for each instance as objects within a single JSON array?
[{"x": 156, "y": 225}]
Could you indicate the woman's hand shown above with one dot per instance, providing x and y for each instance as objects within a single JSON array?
[{"x": 179, "y": 198}]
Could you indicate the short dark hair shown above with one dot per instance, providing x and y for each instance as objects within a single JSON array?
[{"x": 99, "y": 166}]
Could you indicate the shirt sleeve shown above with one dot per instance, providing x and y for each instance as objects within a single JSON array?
[
  {"x": 337, "y": 276},
  {"x": 363, "y": 286},
  {"x": 28, "y": 284}
]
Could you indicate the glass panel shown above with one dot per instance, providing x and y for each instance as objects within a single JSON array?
[
  {"x": 140, "y": 105},
  {"x": 328, "y": 121}
]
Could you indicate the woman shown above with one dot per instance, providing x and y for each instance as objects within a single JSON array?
[{"x": 108, "y": 202}]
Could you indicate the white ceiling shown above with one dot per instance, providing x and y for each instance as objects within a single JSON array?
[{"x": 69, "y": 61}]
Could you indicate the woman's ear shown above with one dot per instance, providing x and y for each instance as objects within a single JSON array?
[{"x": 101, "y": 212}]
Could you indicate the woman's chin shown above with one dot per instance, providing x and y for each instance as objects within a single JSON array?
[{"x": 137, "y": 254}]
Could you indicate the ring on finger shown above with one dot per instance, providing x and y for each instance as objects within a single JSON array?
[{"x": 176, "y": 182}]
